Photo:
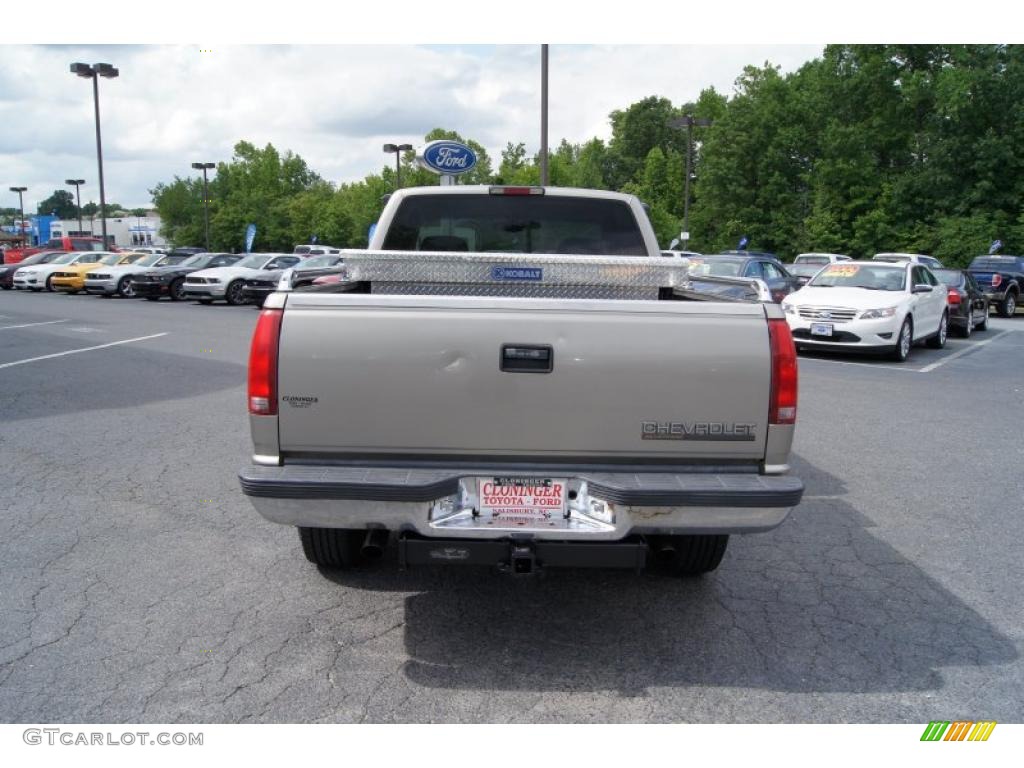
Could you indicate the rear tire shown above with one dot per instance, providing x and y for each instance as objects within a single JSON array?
[
  {"x": 690, "y": 555},
  {"x": 938, "y": 341},
  {"x": 1008, "y": 306},
  {"x": 49, "y": 284},
  {"x": 332, "y": 547},
  {"x": 969, "y": 328},
  {"x": 983, "y": 325}
]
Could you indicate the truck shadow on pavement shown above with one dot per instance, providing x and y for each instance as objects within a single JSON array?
[
  {"x": 47, "y": 389},
  {"x": 818, "y": 605}
]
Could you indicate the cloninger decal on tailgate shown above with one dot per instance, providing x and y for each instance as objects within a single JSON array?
[{"x": 704, "y": 430}]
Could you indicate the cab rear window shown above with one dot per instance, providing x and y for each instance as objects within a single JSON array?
[{"x": 515, "y": 224}]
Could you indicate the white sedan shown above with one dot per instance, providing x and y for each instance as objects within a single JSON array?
[
  {"x": 872, "y": 306},
  {"x": 227, "y": 283},
  {"x": 37, "y": 277}
]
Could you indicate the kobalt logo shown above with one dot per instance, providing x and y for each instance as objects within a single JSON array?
[
  {"x": 296, "y": 401},
  {"x": 517, "y": 273},
  {"x": 706, "y": 430}
]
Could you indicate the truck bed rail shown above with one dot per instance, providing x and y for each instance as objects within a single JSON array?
[{"x": 536, "y": 275}]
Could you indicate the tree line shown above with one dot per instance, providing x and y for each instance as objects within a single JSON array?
[{"x": 864, "y": 149}]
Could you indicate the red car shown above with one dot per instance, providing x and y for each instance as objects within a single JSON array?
[{"x": 15, "y": 255}]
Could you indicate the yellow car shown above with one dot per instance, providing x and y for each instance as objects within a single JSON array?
[{"x": 71, "y": 279}]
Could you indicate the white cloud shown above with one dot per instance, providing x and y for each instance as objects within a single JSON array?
[{"x": 333, "y": 105}]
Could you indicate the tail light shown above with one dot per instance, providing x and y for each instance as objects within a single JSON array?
[
  {"x": 263, "y": 363},
  {"x": 953, "y": 297},
  {"x": 782, "y": 409},
  {"x": 997, "y": 280}
]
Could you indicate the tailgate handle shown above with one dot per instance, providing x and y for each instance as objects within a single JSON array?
[{"x": 527, "y": 358}]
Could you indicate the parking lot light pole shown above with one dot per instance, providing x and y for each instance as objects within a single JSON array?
[
  {"x": 688, "y": 121},
  {"x": 204, "y": 167},
  {"x": 77, "y": 183},
  {"x": 21, "y": 207},
  {"x": 95, "y": 72},
  {"x": 398, "y": 149}
]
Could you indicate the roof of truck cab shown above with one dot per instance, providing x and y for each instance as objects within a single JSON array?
[{"x": 485, "y": 189}]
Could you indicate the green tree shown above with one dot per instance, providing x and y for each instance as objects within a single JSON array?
[
  {"x": 61, "y": 204},
  {"x": 180, "y": 206}
]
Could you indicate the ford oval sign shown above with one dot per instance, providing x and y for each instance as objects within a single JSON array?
[{"x": 449, "y": 158}]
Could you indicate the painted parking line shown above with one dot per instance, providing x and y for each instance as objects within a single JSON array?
[
  {"x": 864, "y": 365},
  {"x": 83, "y": 349},
  {"x": 962, "y": 352},
  {"x": 29, "y": 325},
  {"x": 970, "y": 347}
]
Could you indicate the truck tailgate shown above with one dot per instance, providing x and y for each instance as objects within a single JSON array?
[{"x": 422, "y": 376}]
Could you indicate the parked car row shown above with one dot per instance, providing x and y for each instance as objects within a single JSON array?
[
  {"x": 180, "y": 274},
  {"x": 886, "y": 304},
  {"x": 883, "y": 305}
]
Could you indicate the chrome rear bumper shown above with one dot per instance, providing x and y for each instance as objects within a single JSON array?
[{"x": 438, "y": 503}]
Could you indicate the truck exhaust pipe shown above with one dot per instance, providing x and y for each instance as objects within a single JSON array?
[
  {"x": 374, "y": 543},
  {"x": 665, "y": 553}
]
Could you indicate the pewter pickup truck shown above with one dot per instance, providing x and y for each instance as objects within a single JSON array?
[{"x": 515, "y": 377}]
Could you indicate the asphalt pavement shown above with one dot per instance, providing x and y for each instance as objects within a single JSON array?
[{"x": 137, "y": 584}]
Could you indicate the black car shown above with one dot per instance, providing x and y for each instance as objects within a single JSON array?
[
  {"x": 257, "y": 289},
  {"x": 170, "y": 280},
  {"x": 750, "y": 264},
  {"x": 1002, "y": 280},
  {"x": 186, "y": 251},
  {"x": 7, "y": 271},
  {"x": 968, "y": 305}
]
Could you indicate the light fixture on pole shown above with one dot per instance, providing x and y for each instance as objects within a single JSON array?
[
  {"x": 77, "y": 183},
  {"x": 95, "y": 72},
  {"x": 21, "y": 207},
  {"x": 687, "y": 122},
  {"x": 398, "y": 149},
  {"x": 204, "y": 167}
]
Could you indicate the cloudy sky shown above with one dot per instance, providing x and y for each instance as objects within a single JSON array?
[{"x": 333, "y": 105}]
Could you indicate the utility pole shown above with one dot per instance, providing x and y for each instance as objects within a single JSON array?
[
  {"x": 544, "y": 178},
  {"x": 688, "y": 121},
  {"x": 95, "y": 72},
  {"x": 204, "y": 167},
  {"x": 77, "y": 183}
]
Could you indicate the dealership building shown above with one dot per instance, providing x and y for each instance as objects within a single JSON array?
[{"x": 122, "y": 231}]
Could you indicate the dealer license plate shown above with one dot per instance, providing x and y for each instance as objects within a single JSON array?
[
  {"x": 821, "y": 329},
  {"x": 521, "y": 498}
]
